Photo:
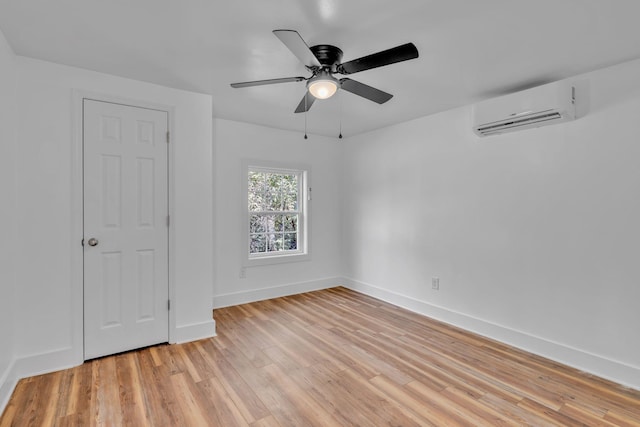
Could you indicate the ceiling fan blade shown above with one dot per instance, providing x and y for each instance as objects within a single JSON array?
[
  {"x": 365, "y": 91},
  {"x": 267, "y": 82},
  {"x": 305, "y": 105},
  {"x": 298, "y": 47},
  {"x": 386, "y": 57}
]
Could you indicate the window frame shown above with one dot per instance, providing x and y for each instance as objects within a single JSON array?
[{"x": 277, "y": 257}]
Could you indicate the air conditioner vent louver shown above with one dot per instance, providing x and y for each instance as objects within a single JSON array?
[
  {"x": 521, "y": 121},
  {"x": 542, "y": 105}
]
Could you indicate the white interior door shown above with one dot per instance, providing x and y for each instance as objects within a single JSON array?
[{"x": 126, "y": 283}]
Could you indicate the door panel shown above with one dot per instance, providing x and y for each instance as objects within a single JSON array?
[{"x": 125, "y": 208}]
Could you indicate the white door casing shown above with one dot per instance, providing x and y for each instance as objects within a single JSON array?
[{"x": 125, "y": 190}]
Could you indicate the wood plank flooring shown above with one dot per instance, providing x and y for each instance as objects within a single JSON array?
[{"x": 326, "y": 358}]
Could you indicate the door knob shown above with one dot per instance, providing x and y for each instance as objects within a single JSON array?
[{"x": 93, "y": 241}]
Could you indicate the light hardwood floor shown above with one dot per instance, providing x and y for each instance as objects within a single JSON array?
[{"x": 326, "y": 358}]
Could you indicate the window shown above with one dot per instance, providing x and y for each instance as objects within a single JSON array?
[{"x": 276, "y": 217}]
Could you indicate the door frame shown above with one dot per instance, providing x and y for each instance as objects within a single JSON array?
[{"x": 77, "y": 208}]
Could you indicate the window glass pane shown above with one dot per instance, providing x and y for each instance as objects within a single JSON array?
[
  {"x": 290, "y": 241},
  {"x": 258, "y": 243},
  {"x": 269, "y": 222},
  {"x": 256, "y": 191},
  {"x": 257, "y": 224},
  {"x": 274, "y": 195},
  {"x": 278, "y": 223},
  {"x": 275, "y": 242},
  {"x": 290, "y": 192},
  {"x": 289, "y": 201},
  {"x": 290, "y": 222}
]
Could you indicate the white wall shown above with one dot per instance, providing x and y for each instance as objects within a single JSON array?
[
  {"x": 534, "y": 235},
  {"x": 49, "y": 289},
  {"x": 7, "y": 216},
  {"x": 233, "y": 142}
]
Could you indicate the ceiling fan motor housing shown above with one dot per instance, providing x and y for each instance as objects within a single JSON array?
[{"x": 329, "y": 56}]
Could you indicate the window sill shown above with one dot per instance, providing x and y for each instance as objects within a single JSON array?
[{"x": 276, "y": 259}]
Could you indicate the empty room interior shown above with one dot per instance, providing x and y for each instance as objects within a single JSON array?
[{"x": 320, "y": 213}]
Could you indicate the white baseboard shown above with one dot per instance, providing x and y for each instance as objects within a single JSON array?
[
  {"x": 618, "y": 372},
  {"x": 35, "y": 365},
  {"x": 254, "y": 295},
  {"x": 195, "y": 331},
  {"x": 8, "y": 382},
  {"x": 51, "y": 361}
]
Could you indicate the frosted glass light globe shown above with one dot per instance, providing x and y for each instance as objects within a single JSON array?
[{"x": 323, "y": 89}]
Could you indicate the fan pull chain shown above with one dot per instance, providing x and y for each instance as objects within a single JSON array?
[
  {"x": 305, "y": 116},
  {"x": 340, "y": 134}
]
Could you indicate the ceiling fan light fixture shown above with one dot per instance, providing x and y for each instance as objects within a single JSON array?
[{"x": 323, "y": 85}]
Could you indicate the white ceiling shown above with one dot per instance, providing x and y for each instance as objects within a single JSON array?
[{"x": 469, "y": 49}]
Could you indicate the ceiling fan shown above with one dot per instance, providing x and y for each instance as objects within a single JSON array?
[{"x": 323, "y": 61}]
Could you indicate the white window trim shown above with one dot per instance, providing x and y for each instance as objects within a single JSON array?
[{"x": 304, "y": 253}]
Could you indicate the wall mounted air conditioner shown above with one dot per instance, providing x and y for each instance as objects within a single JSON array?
[{"x": 539, "y": 106}]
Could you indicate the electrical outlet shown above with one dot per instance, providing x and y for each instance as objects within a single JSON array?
[
  {"x": 435, "y": 283},
  {"x": 243, "y": 272}
]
